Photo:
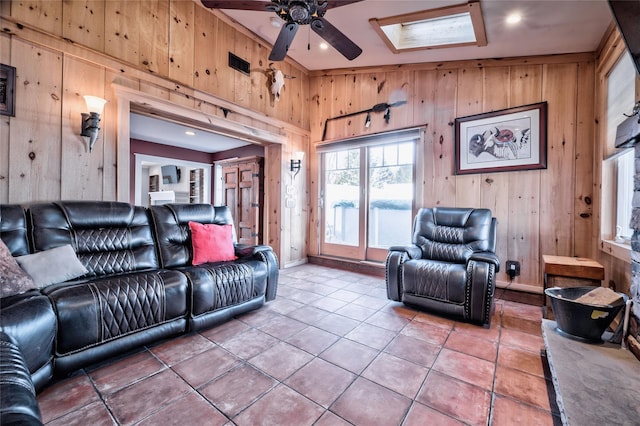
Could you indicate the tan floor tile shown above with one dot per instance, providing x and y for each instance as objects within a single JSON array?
[
  {"x": 523, "y": 387},
  {"x": 520, "y": 359},
  {"x": 472, "y": 345},
  {"x": 465, "y": 367},
  {"x": 508, "y": 412},
  {"x": 455, "y": 398}
]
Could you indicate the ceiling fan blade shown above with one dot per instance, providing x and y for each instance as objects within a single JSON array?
[
  {"x": 282, "y": 44},
  {"x": 335, "y": 38},
  {"x": 260, "y": 5}
]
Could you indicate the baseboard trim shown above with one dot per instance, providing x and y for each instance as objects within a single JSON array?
[{"x": 363, "y": 267}]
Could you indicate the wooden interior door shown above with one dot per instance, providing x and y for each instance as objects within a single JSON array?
[
  {"x": 249, "y": 203},
  {"x": 230, "y": 179},
  {"x": 244, "y": 196}
]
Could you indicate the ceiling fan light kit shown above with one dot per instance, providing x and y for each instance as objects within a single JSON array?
[{"x": 295, "y": 13}]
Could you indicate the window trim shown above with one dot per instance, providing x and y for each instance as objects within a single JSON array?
[
  {"x": 416, "y": 135},
  {"x": 619, "y": 250}
]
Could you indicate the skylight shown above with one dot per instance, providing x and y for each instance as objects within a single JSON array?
[{"x": 451, "y": 26}]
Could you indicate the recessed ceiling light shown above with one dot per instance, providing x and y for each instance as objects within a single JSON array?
[
  {"x": 276, "y": 22},
  {"x": 324, "y": 46},
  {"x": 190, "y": 133},
  {"x": 514, "y": 18}
]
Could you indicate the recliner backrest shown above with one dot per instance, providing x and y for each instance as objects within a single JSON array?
[
  {"x": 453, "y": 234},
  {"x": 108, "y": 237},
  {"x": 171, "y": 226}
]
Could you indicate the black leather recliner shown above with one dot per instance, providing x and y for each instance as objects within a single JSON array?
[
  {"x": 125, "y": 301},
  {"x": 139, "y": 286},
  {"x": 450, "y": 266},
  {"x": 249, "y": 281}
]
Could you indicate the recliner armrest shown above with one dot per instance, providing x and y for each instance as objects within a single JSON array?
[
  {"x": 413, "y": 251},
  {"x": 487, "y": 257}
]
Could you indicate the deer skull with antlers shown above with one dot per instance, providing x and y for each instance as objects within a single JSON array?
[{"x": 277, "y": 81}]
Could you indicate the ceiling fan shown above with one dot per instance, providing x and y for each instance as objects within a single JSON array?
[{"x": 295, "y": 13}]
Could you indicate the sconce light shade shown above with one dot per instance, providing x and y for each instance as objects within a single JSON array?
[
  {"x": 95, "y": 104},
  {"x": 296, "y": 162},
  {"x": 91, "y": 120}
]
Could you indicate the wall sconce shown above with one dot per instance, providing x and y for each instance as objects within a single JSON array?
[
  {"x": 91, "y": 120},
  {"x": 296, "y": 162}
]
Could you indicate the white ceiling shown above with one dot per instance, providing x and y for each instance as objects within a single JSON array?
[
  {"x": 169, "y": 133},
  {"x": 547, "y": 27}
]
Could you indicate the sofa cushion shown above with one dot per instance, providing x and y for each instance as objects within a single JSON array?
[
  {"x": 52, "y": 266},
  {"x": 171, "y": 225},
  {"x": 211, "y": 243},
  {"x": 108, "y": 237},
  {"x": 13, "y": 229},
  {"x": 13, "y": 279},
  {"x": 112, "y": 314}
]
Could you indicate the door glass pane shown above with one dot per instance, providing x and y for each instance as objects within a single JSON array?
[
  {"x": 391, "y": 196},
  {"x": 342, "y": 197}
]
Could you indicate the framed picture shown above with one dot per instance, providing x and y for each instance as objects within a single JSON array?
[
  {"x": 7, "y": 90},
  {"x": 502, "y": 141}
]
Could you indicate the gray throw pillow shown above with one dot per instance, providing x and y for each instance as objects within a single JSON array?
[
  {"x": 13, "y": 280},
  {"x": 52, "y": 266}
]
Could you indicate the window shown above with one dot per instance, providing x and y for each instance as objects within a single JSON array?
[
  {"x": 618, "y": 171},
  {"x": 625, "y": 172},
  {"x": 368, "y": 195},
  {"x": 619, "y": 168}
]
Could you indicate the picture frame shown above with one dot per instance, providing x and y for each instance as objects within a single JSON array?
[
  {"x": 7, "y": 90},
  {"x": 502, "y": 141}
]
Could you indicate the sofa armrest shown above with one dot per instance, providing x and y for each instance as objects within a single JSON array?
[
  {"x": 18, "y": 403},
  {"x": 264, "y": 254},
  {"x": 412, "y": 251},
  {"x": 29, "y": 319},
  {"x": 393, "y": 268},
  {"x": 488, "y": 257},
  {"x": 481, "y": 280},
  {"x": 246, "y": 250}
]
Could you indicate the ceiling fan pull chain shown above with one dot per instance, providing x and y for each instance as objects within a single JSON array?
[{"x": 309, "y": 38}]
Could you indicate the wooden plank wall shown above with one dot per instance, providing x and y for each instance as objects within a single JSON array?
[
  {"x": 173, "y": 49},
  {"x": 539, "y": 211}
]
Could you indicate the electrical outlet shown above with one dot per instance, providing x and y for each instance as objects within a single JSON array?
[{"x": 513, "y": 268}]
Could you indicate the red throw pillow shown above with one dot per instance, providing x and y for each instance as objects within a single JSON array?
[{"x": 211, "y": 243}]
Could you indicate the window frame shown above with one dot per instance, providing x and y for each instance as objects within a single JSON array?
[
  {"x": 363, "y": 252},
  {"x": 610, "y": 156}
]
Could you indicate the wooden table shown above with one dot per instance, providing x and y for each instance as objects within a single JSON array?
[{"x": 563, "y": 271}]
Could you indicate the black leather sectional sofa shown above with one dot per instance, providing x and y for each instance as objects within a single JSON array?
[{"x": 140, "y": 287}]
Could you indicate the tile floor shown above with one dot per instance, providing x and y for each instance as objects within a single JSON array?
[{"x": 330, "y": 350}]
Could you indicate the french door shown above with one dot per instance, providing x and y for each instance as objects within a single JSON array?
[{"x": 367, "y": 199}]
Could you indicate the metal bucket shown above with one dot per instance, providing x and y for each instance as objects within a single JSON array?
[{"x": 578, "y": 320}]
